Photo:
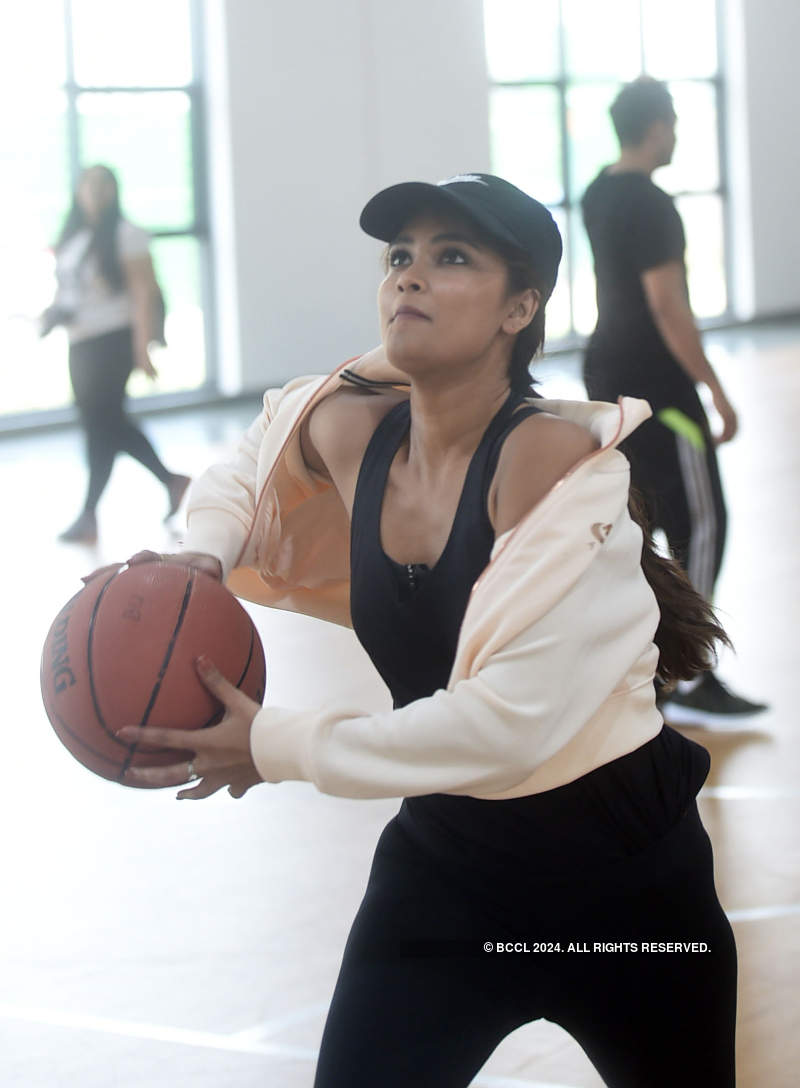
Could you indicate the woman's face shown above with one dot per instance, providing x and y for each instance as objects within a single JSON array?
[
  {"x": 96, "y": 191},
  {"x": 444, "y": 301}
]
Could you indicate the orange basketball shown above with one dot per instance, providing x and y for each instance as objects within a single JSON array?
[{"x": 122, "y": 652}]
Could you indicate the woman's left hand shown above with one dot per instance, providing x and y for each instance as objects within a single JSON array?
[{"x": 222, "y": 752}]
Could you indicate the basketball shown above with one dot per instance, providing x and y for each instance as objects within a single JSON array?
[{"x": 122, "y": 652}]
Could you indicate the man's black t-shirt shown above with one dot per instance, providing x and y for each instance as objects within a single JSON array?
[{"x": 632, "y": 226}]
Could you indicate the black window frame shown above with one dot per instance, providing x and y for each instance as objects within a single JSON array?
[
  {"x": 567, "y": 205},
  {"x": 198, "y": 228}
]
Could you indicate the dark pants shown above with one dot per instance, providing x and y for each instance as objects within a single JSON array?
[
  {"x": 673, "y": 460},
  {"x": 99, "y": 369},
  {"x": 419, "y": 1001},
  {"x": 674, "y": 467}
]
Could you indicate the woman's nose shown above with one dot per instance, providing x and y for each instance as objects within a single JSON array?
[{"x": 409, "y": 279}]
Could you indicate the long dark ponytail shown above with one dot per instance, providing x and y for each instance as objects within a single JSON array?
[
  {"x": 104, "y": 233},
  {"x": 688, "y": 631}
]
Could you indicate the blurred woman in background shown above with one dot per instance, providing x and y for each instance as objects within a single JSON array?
[{"x": 106, "y": 299}]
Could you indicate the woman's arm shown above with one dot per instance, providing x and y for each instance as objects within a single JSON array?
[
  {"x": 222, "y": 501},
  {"x": 140, "y": 281},
  {"x": 665, "y": 291},
  {"x": 490, "y": 731},
  {"x": 485, "y": 735}
]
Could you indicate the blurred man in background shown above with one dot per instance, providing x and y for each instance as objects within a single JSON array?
[{"x": 646, "y": 344}]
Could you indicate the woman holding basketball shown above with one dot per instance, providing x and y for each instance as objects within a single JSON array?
[{"x": 479, "y": 540}]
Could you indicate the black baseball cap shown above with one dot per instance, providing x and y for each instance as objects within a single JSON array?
[{"x": 502, "y": 210}]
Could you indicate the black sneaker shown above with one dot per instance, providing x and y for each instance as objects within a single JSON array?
[{"x": 710, "y": 704}]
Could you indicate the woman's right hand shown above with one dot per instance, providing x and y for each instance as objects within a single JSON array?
[
  {"x": 727, "y": 414},
  {"x": 208, "y": 564}
]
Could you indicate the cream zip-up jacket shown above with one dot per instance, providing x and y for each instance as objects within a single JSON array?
[{"x": 553, "y": 673}]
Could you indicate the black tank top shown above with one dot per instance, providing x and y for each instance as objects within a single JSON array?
[{"x": 407, "y": 616}]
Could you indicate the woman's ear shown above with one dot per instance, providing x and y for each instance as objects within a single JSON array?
[{"x": 522, "y": 311}]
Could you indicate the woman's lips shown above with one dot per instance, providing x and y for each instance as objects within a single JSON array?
[{"x": 409, "y": 311}]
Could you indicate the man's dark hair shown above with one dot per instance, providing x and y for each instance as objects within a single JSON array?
[{"x": 637, "y": 106}]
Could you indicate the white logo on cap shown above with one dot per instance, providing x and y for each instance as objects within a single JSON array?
[{"x": 464, "y": 177}]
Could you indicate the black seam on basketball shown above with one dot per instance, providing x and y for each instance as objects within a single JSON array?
[
  {"x": 80, "y": 742},
  {"x": 90, "y": 667},
  {"x": 83, "y": 743},
  {"x": 163, "y": 670},
  {"x": 240, "y": 681}
]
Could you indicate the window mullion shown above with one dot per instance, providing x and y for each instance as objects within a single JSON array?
[
  {"x": 642, "y": 56},
  {"x": 566, "y": 175},
  {"x": 721, "y": 103},
  {"x": 73, "y": 129},
  {"x": 200, "y": 188}
]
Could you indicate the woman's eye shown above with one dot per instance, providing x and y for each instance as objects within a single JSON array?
[
  {"x": 454, "y": 256},
  {"x": 398, "y": 257}
]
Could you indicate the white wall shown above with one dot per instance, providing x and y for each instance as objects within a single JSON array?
[
  {"x": 313, "y": 108},
  {"x": 762, "y": 39}
]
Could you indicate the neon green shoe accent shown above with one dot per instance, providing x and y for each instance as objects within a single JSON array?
[{"x": 681, "y": 424}]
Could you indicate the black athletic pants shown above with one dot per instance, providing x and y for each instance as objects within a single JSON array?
[
  {"x": 674, "y": 467},
  {"x": 99, "y": 369},
  {"x": 672, "y": 455},
  {"x": 420, "y": 1001}
]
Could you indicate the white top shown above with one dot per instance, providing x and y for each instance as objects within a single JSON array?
[{"x": 97, "y": 307}]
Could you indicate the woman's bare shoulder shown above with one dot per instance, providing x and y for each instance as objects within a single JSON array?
[
  {"x": 535, "y": 456},
  {"x": 335, "y": 433}
]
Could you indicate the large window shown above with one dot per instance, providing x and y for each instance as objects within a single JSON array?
[
  {"x": 87, "y": 81},
  {"x": 555, "y": 67}
]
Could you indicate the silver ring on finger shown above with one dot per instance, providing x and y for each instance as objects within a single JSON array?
[{"x": 192, "y": 773}]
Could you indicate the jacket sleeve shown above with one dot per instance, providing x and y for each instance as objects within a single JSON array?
[
  {"x": 491, "y": 730},
  {"x": 222, "y": 501}
]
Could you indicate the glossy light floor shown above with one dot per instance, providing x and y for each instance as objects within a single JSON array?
[{"x": 154, "y": 944}]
